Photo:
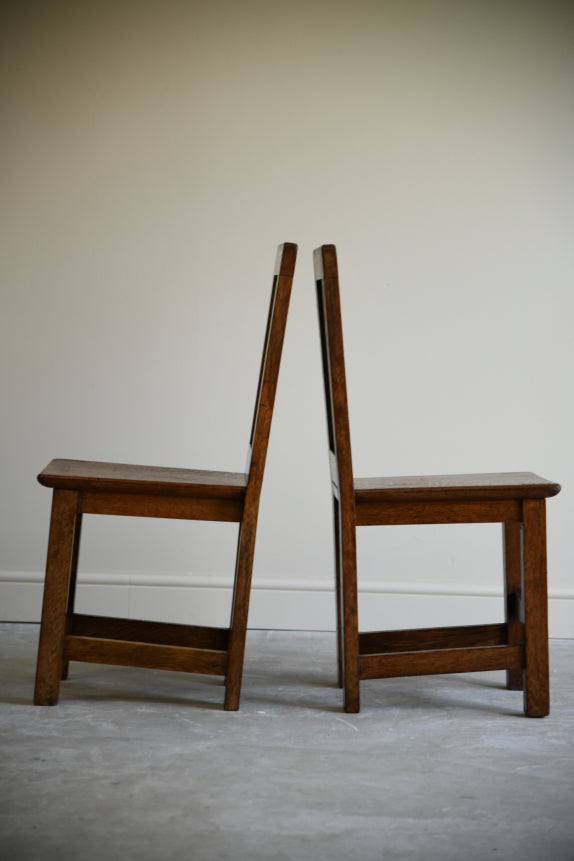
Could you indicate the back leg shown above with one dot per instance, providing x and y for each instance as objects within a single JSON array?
[
  {"x": 338, "y": 586},
  {"x": 349, "y": 601},
  {"x": 72, "y": 586},
  {"x": 536, "y": 688},
  {"x": 239, "y": 615}
]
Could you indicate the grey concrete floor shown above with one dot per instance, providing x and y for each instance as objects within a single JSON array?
[{"x": 138, "y": 764}]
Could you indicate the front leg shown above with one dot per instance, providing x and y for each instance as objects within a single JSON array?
[{"x": 56, "y": 587}]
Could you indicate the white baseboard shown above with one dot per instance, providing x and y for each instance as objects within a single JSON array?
[{"x": 298, "y": 605}]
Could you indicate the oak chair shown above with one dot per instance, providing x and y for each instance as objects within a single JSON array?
[
  {"x": 85, "y": 487},
  {"x": 517, "y": 500}
]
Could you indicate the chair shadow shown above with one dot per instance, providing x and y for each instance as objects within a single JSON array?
[
  {"x": 91, "y": 686},
  {"x": 431, "y": 699},
  {"x": 289, "y": 689}
]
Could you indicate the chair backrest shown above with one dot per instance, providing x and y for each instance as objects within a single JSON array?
[
  {"x": 329, "y": 307},
  {"x": 270, "y": 362}
]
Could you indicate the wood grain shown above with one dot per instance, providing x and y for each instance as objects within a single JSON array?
[
  {"x": 160, "y": 633},
  {"x": 341, "y": 468},
  {"x": 536, "y": 674},
  {"x": 513, "y": 603},
  {"x": 72, "y": 582},
  {"x": 466, "y": 487},
  {"x": 55, "y": 600},
  {"x": 373, "y": 642},
  {"x": 259, "y": 440},
  {"x": 434, "y": 662},
  {"x": 153, "y": 505},
  {"x": 134, "y": 654},
  {"x": 456, "y": 511},
  {"x": 99, "y": 477}
]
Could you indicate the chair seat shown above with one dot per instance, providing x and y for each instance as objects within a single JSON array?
[
  {"x": 481, "y": 486},
  {"x": 92, "y": 476}
]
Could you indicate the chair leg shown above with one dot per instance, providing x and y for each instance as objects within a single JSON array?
[
  {"x": 239, "y": 615},
  {"x": 338, "y": 587},
  {"x": 536, "y": 692},
  {"x": 512, "y": 550},
  {"x": 56, "y": 586},
  {"x": 350, "y": 617},
  {"x": 72, "y": 586}
]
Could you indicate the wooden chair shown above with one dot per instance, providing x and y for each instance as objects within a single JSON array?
[
  {"x": 85, "y": 487},
  {"x": 517, "y": 500}
]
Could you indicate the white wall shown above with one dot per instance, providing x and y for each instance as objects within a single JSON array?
[{"x": 154, "y": 155}]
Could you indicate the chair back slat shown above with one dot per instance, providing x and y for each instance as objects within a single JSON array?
[
  {"x": 270, "y": 362},
  {"x": 333, "y": 360}
]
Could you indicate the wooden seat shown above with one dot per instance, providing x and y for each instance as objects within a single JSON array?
[
  {"x": 88, "y": 487},
  {"x": 517, "y": 500}
]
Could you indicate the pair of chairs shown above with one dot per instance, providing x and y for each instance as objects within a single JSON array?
[{"x": 517, "y": 500}]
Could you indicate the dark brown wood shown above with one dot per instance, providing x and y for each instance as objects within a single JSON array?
[
  {"x": 375, "y": 642},
  {"x": 160, "y": 633},
  {"x": 456, "y": 511},
  {"x": 536, "y": 676},
  {"x": 133, "y": 654},
  {"x": 55, "y": 600},
  {"x": 338, "y": 584},
  {"x": 99, "y": 477},
  {"x": 93, "y": 487},
  {"x": 513, "y": 604},
  {"x": 434, "y": 662},
  {"x": 329, "y": 310},
  {"x": 277, "y": 321},
  {"x": 239, "y": 610},
  {"x": 514, "y": 499},
  {"x": 72, "y": 584},
  {"x": 426, "y": 488},
  {"x": 178, "y": 507}
]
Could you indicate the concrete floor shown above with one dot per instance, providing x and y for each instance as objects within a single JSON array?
[{"x": 138, "y": 764}]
